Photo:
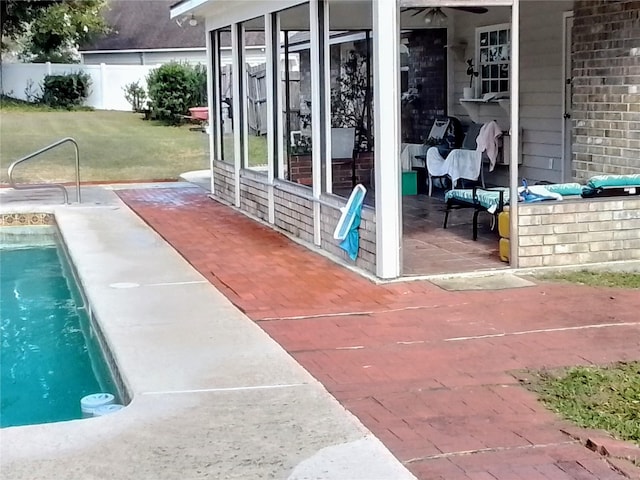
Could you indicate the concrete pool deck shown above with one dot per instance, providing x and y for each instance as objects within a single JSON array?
[{"x": 212, "y": 395}]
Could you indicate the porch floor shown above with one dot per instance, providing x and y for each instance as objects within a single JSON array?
[{"x": 429, "y": 249}]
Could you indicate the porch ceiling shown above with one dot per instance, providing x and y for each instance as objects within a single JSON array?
[{"x": 343, "y": 14}]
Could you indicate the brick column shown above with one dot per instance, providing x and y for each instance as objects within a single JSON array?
[{"x": 606, "y": 87}]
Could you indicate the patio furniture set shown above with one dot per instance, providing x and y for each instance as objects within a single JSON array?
[{"x": 483, "y": 144}]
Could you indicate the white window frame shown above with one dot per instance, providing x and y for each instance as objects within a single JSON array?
[{"x": 480, "y": 61}]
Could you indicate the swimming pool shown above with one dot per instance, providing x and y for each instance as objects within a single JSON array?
[{"x": 50, "y": 356}]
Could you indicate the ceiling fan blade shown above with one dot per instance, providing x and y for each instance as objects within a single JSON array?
[
  {"x": 472, "y": 9},
  {"x": 418, "y": 10}
]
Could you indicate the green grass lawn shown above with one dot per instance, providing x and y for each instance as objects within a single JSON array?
[
  {"x": 114, "y": 146},
  {"x": 605, "y": 398},
  {"x": 597, "y": 278},
  {"x": 599, "y": 397},
  {"x": 257, "y": 149}
]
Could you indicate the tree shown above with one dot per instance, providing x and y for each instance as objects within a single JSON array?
[
  {"x": 15, "y": 16},
  {"x": 51, "y": 28},
  {"x": 174, "y": 88}
]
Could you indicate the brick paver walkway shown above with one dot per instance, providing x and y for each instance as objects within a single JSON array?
[{"x": 435, "y": 375}]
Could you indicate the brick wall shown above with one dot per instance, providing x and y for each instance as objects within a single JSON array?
[
  {"x": 329, "y": 217},
  {"x": 606, "y": 87},
  {"x": 579, "y": 232},
  {"x": 254, "y": 198},
  {"x": 427, "y": 73},
  {"x": 294, "y": 214},
  {"x": 301, "y": 171},
  {"x": 223, "y": 181}
]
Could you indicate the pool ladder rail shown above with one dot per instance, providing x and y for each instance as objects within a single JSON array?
[{"x": 48, "y": 185}]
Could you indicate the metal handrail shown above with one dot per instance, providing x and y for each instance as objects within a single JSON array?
[{"x": 49, "y": 185}]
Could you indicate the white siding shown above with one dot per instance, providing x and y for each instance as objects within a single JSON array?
[
  {"x": 541, "y": 84},
  {"x": 145, "y": 58},
  {"x": 132, "y": 58},
  {"x": 541, "y": 88}
]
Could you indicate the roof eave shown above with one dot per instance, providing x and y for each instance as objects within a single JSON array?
[
  {"x": 186, "y": 6},
  {"x": 147, "y": 50}
]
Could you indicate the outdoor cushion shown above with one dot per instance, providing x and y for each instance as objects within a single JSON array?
[
  {"x": 604, "y": 181},
  {"x": 488, "y": 199},
  {"x": 565, "y": 189}
]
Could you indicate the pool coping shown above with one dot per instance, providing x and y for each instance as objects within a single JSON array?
[{"x": 188, "y": 358}]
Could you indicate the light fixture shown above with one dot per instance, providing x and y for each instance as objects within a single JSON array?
[
  {"x": 193, "y": 21},
  {"x": 435, "y": 17}
]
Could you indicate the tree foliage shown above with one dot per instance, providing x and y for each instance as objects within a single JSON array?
[
  {"x": 174, "y": 88},
  {"x": 51, "y": 28},
  {"x": 16, "y": 15}
]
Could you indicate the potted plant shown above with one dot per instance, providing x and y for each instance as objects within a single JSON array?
[
  {"x": 351, "y": 98},
  {"x": 467, "y": 92}
]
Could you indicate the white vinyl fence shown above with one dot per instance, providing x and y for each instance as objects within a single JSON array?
[{"x": 107, "y": 81}]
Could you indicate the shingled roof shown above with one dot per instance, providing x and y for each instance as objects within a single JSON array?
[{"x": 147, "y": 25}]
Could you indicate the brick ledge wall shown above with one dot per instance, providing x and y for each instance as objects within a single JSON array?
[{"x": 574, "y": 232}]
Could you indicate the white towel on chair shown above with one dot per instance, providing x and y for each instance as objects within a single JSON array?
[
  {"x": 436, "y": 164},
  {"x": 408, "y": 155},
  {"x": 458, "y": 164},
  {"x": 488, "y": 141}
]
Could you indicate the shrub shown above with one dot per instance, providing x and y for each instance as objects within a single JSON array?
[
  {"x": 66, "y": 91},
  {"x": 135, "y": 95},
  {"x": 174, "y": 88},
  {"x": 200, "y": 85},
  {"x": 31, "y": 92}
]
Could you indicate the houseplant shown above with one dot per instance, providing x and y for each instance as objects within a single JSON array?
[
  {"x": 351, "y": 99},
  {"x": 467, "y": 92}
]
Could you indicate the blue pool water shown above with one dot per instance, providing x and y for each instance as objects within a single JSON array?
[{"x": 48, "y": 359}]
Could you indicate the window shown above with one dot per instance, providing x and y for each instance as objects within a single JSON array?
[
  {"x": 224, "y": 95},
  {"x": 254, "y": 94},
  {"x": 493, "y": 56}
]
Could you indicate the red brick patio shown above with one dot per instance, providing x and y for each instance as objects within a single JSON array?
[{"x": 435, "y": 375}]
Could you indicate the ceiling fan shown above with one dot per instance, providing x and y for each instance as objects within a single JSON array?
[
  {"x": 464, "y": 9},
  {"x": 435, "y": 17}
]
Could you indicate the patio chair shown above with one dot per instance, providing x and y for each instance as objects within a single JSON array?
[
  {"x": 493, "y": 200},
  {"x": 464, "y": 162}
]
